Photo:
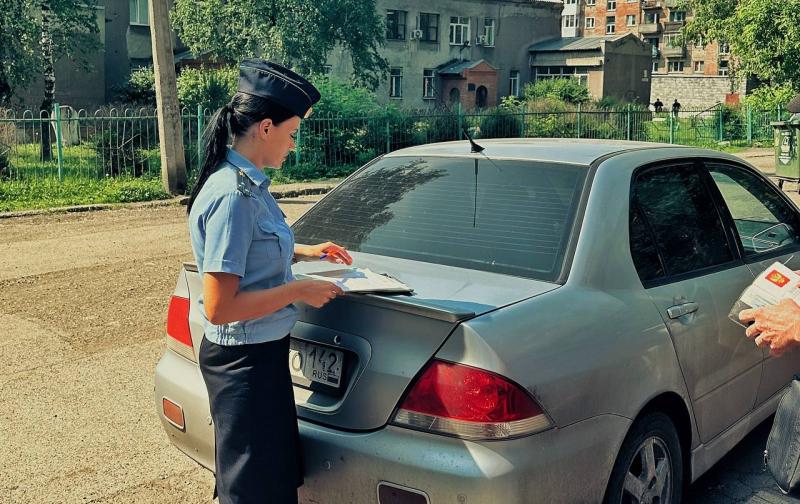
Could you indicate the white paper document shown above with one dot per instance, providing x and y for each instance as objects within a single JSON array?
[
  {"x": 771, "y": 286},
  {"x": 360, "y": 280}
]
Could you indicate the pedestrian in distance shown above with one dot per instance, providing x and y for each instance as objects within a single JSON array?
[
  {"x": 676, "y": 108},
  {"x": 659, "y": 105}
]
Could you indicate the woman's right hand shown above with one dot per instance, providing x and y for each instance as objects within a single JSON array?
[{"x": 316, "y": 293}]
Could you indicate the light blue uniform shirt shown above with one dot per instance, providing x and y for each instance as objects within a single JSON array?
[{"x": 236, "y": 227}]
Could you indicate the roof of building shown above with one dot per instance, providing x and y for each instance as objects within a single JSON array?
[
  {"x": 576, "y": 43},
  {"x": 456, "y": 67}
]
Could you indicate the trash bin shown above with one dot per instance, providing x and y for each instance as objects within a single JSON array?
[{"x": 787, "y": 159}]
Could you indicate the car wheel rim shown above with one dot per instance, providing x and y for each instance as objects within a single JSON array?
[{"x": 649, "y": 476}]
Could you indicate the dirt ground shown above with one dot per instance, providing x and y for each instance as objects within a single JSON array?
[{"x": 82, "y": 310}]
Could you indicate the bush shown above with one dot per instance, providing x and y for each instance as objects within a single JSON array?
[
  {"x": 566, "y": 90},
  {"x": 121, "y": 151},
  {"x": 140, "y": 88},
  {"x": 770, "y": 97},
  {"x": 5, "y": 164},
  {"x": 343, "y": 99},
  {"x": 211, "y": 88},
  {"x": 500, "y": 123}
]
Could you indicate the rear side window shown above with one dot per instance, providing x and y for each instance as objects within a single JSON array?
[
  {"x": 676, "y": 206},
  {"x": 511, "y": 217},
  {"x": 764, "y": 221}
]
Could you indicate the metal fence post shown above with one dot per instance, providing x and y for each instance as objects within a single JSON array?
[
  {"x": 721, "y": 129},
  {"x": 59, "y": 142},
  {"x": 629, "y": 121},
  {"x": 459, "y": 123},
  {"x": 580, "y": 133},
  {"x": 749, "y": 125},
  {"x": 199, "y": 137},
  {"x": 522, "y": 131}
]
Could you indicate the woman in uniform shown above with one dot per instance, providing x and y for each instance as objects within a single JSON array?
[{"x": 244, "y": 251}]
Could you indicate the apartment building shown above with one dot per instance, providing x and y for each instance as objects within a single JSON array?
[
  {"x": 467, "y": 52},
  {"x": 697, "y": 74}
]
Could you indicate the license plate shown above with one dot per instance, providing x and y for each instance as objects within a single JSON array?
[{"x": 315, "y": 363}]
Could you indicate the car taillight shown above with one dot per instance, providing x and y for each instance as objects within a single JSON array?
[
  {"x": 469, "y": 403},
  {"x": 178, "y": 326}
]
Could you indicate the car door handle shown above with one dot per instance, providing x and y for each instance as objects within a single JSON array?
[{"x": 680, "y": 310}]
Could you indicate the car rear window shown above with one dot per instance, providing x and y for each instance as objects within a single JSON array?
[{"x": 511, "y": 217}]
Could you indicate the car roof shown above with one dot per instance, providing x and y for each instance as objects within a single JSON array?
[{"x": 556, "y": 150}]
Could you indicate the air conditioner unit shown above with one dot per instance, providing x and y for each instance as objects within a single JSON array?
[
  {"x": 480, "y": 40},
  {"x": 416, "y": 34}
]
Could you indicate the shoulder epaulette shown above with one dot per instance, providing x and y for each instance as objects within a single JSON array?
[{"x": 244, "y": 184}]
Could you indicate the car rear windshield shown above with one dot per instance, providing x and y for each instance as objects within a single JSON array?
[{"x": 510, "y": 217}]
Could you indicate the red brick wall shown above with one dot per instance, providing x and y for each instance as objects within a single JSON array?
[{"x": 600, "y": 11}]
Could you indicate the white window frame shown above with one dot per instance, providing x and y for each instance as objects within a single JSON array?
[
  {"x": 654, "y": 69},
  {"x": 673, "y": 15},
  {"x": 569, "y": 21},
  {"x": 630, "y": 20},
  {"x": 589, "y": 23},
  {"x": 724, "y": 48},
  {"x": 137, "y": 20},
  {"x": 513, "y": 83},
  {"x": 591, "y": 2},
  {"x": 723, "y": 71},
  {"x": 651, "y": 18},
  {"x": 488, "y": 31},
  {"x": 459, "y": 32},
  {"x": 699, "y": 66},
  {"x": 396, "y": 82},
  {"x": 580, "y": 74},
  {"x": 611, "y": 5},
  {"x": 611, "y": 27},
  {"x": 675, "y": 66},
  {"x": 428, "y": 84}
]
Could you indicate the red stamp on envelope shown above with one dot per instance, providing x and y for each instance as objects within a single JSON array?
[{"x": 777, "y": 278}]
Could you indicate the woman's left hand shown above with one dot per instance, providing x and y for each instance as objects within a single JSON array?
[{"x": 330, "y": 252}]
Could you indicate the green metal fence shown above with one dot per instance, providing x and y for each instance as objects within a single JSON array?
[{"x": 124, "y": 142}]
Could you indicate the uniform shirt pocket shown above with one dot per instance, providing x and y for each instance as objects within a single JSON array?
[{"x": 266, "y": 242}]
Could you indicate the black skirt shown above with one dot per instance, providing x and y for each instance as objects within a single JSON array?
[{"x": 255, "y": 422}]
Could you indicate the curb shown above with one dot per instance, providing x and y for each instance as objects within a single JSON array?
[{"x": 178, "y": 201}]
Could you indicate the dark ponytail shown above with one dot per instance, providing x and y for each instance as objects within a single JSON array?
[{"x": 243, "y": 111}]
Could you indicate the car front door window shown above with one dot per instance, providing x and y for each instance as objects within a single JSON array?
[{"x": 764, "y": 221}]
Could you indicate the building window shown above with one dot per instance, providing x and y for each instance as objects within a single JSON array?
[
  {"x": 612, "y": 4},
  {"x": 724, "y": 69},
  {"x": 699, "y": 66},
  {"x": 428, "y": 91},
  {"x": 395, "y": 25},
  {"x": 611, "y": 24},
  {"x": 651, "y": 17},
  {"x": 724, "y": 48},
  {"x": 459, "y": 30},
  {"x": 630, "y": 20},
  {"x": 589, "y": 22},
  {"x": 673, "y": 40},
  {"x": 139, "y": 14},
  {"x": 488, "y": 32},
  {"x": 581, "y": 74},
  {"x": 591, "y": 2},
  {"x": 513, "y": 83},
  {"x": 569, "y": 21},
  {"x": 655, "y": 66},
  {"x": 396, "y": 82},
  {"x": 675, "y": 66},
  {"x": 570, "y": 2},
  {"x": 429, "y": 24},
  {"x": 677, "y": 16}
]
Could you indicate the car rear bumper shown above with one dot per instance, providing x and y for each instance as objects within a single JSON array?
[{"x": 570, "y": 464}]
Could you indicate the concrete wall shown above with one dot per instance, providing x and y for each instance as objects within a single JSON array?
[
  {"x": 518, "y": 24},
  {"x": 692, "y": 91},
  {"x": 570, "y": 10}
]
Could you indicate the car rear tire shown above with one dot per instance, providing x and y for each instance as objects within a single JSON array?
[{"x": 649, "y": 467}]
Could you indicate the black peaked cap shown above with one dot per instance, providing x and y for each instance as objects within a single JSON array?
[{"x": 269, "y": 80}]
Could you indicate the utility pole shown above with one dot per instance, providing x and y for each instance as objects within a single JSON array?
[{"x": 170, "y": 133}]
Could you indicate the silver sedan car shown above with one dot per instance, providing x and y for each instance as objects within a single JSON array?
[{"x": 567, "y": 339}]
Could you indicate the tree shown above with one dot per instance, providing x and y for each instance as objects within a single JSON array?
[
  {"x": 763, "y": 35},
  {"x": 298, "y": 33},
  {"x": 36, "y": 34}
]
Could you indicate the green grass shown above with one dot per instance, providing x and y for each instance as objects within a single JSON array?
[
  {"x": 38, "y": 193},
  {"x": 78, "y": 161}
]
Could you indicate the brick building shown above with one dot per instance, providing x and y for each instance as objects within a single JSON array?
[{"x": 697, "y": 75}]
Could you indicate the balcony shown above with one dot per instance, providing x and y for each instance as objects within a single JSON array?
[
  {"x": 673, "y": 26},
  {"x": 649, "y": 28},
  {"x": 652, "y": 4},
  {"x": 674, "y": 52}
]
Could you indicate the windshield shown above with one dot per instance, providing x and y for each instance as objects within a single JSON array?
[{"x": 511, "y": 217}]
